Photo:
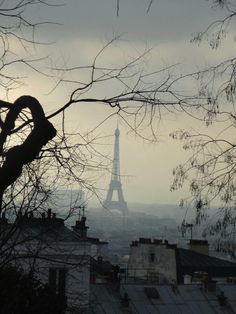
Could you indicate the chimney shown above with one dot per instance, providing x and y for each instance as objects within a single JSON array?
[
  {"x": 199, "y": 246},
  {"x": 99, "y": 259},
  {"x": 19, "y": 215},
  {"x": 49, "y": 213},
  {"x": 210, "y": 285},
  {"x": 3, "y": 219},
  {"x": 187, "y": 279},
  {"x": 80, "y": 227}
]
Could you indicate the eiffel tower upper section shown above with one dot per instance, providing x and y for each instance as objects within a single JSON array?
[{"x": 115, "y": 184}]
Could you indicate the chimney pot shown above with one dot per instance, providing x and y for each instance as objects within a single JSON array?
[{"x": 49, "y": 213}]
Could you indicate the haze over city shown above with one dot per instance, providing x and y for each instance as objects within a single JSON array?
[{"x": 167, "y": 29}]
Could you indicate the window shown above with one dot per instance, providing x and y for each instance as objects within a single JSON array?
[
  {"x": 152, "y": 257},
  {"x": 57, "y": 280}
]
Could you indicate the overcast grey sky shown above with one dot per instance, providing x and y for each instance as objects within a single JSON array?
[{"x": 168, "y": 28}]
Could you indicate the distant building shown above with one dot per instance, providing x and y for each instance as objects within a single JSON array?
[
  {"x": 162, "y": 262},
  {"x": 152, "y": 260},
  {"x": 115, "y": 185}
]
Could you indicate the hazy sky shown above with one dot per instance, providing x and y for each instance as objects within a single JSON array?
[{"x": 167, "y": 28}]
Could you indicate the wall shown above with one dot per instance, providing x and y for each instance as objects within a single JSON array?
[
  {"x": 72, "y": 256},
  {"x": 152, "y": 261}
]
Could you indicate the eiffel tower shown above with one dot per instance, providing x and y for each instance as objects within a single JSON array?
[{"x": 115, "y": 184}]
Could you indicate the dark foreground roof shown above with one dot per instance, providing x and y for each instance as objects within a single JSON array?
[
  {"x": 100, "y": 266},
  {"x": 30, "y": 228},
  {"x": 181, "y": 299},
  {"x": 188, "y": 262}
]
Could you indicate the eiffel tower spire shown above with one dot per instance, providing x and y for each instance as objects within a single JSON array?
[{"x": 115, "y": 184}]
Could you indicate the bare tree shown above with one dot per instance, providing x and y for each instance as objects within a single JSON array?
[
  {"x": 140, "y": 98},
  {"x": 35, "y": 156},
  {"x": 210, "y": 171}
]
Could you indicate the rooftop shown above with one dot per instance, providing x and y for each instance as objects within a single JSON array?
[
  {"x": 188, "y": 262},
  {"x": 171, "y": 299},
  {"x": 45, "y": 226},
  {"x": 153, "y": 242}
]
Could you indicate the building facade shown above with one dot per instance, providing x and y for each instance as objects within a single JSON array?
[
  {"x": 157, "y": 260},
  {"x": 152, "y": 260},
  {"x": 53, "y": 253}
]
